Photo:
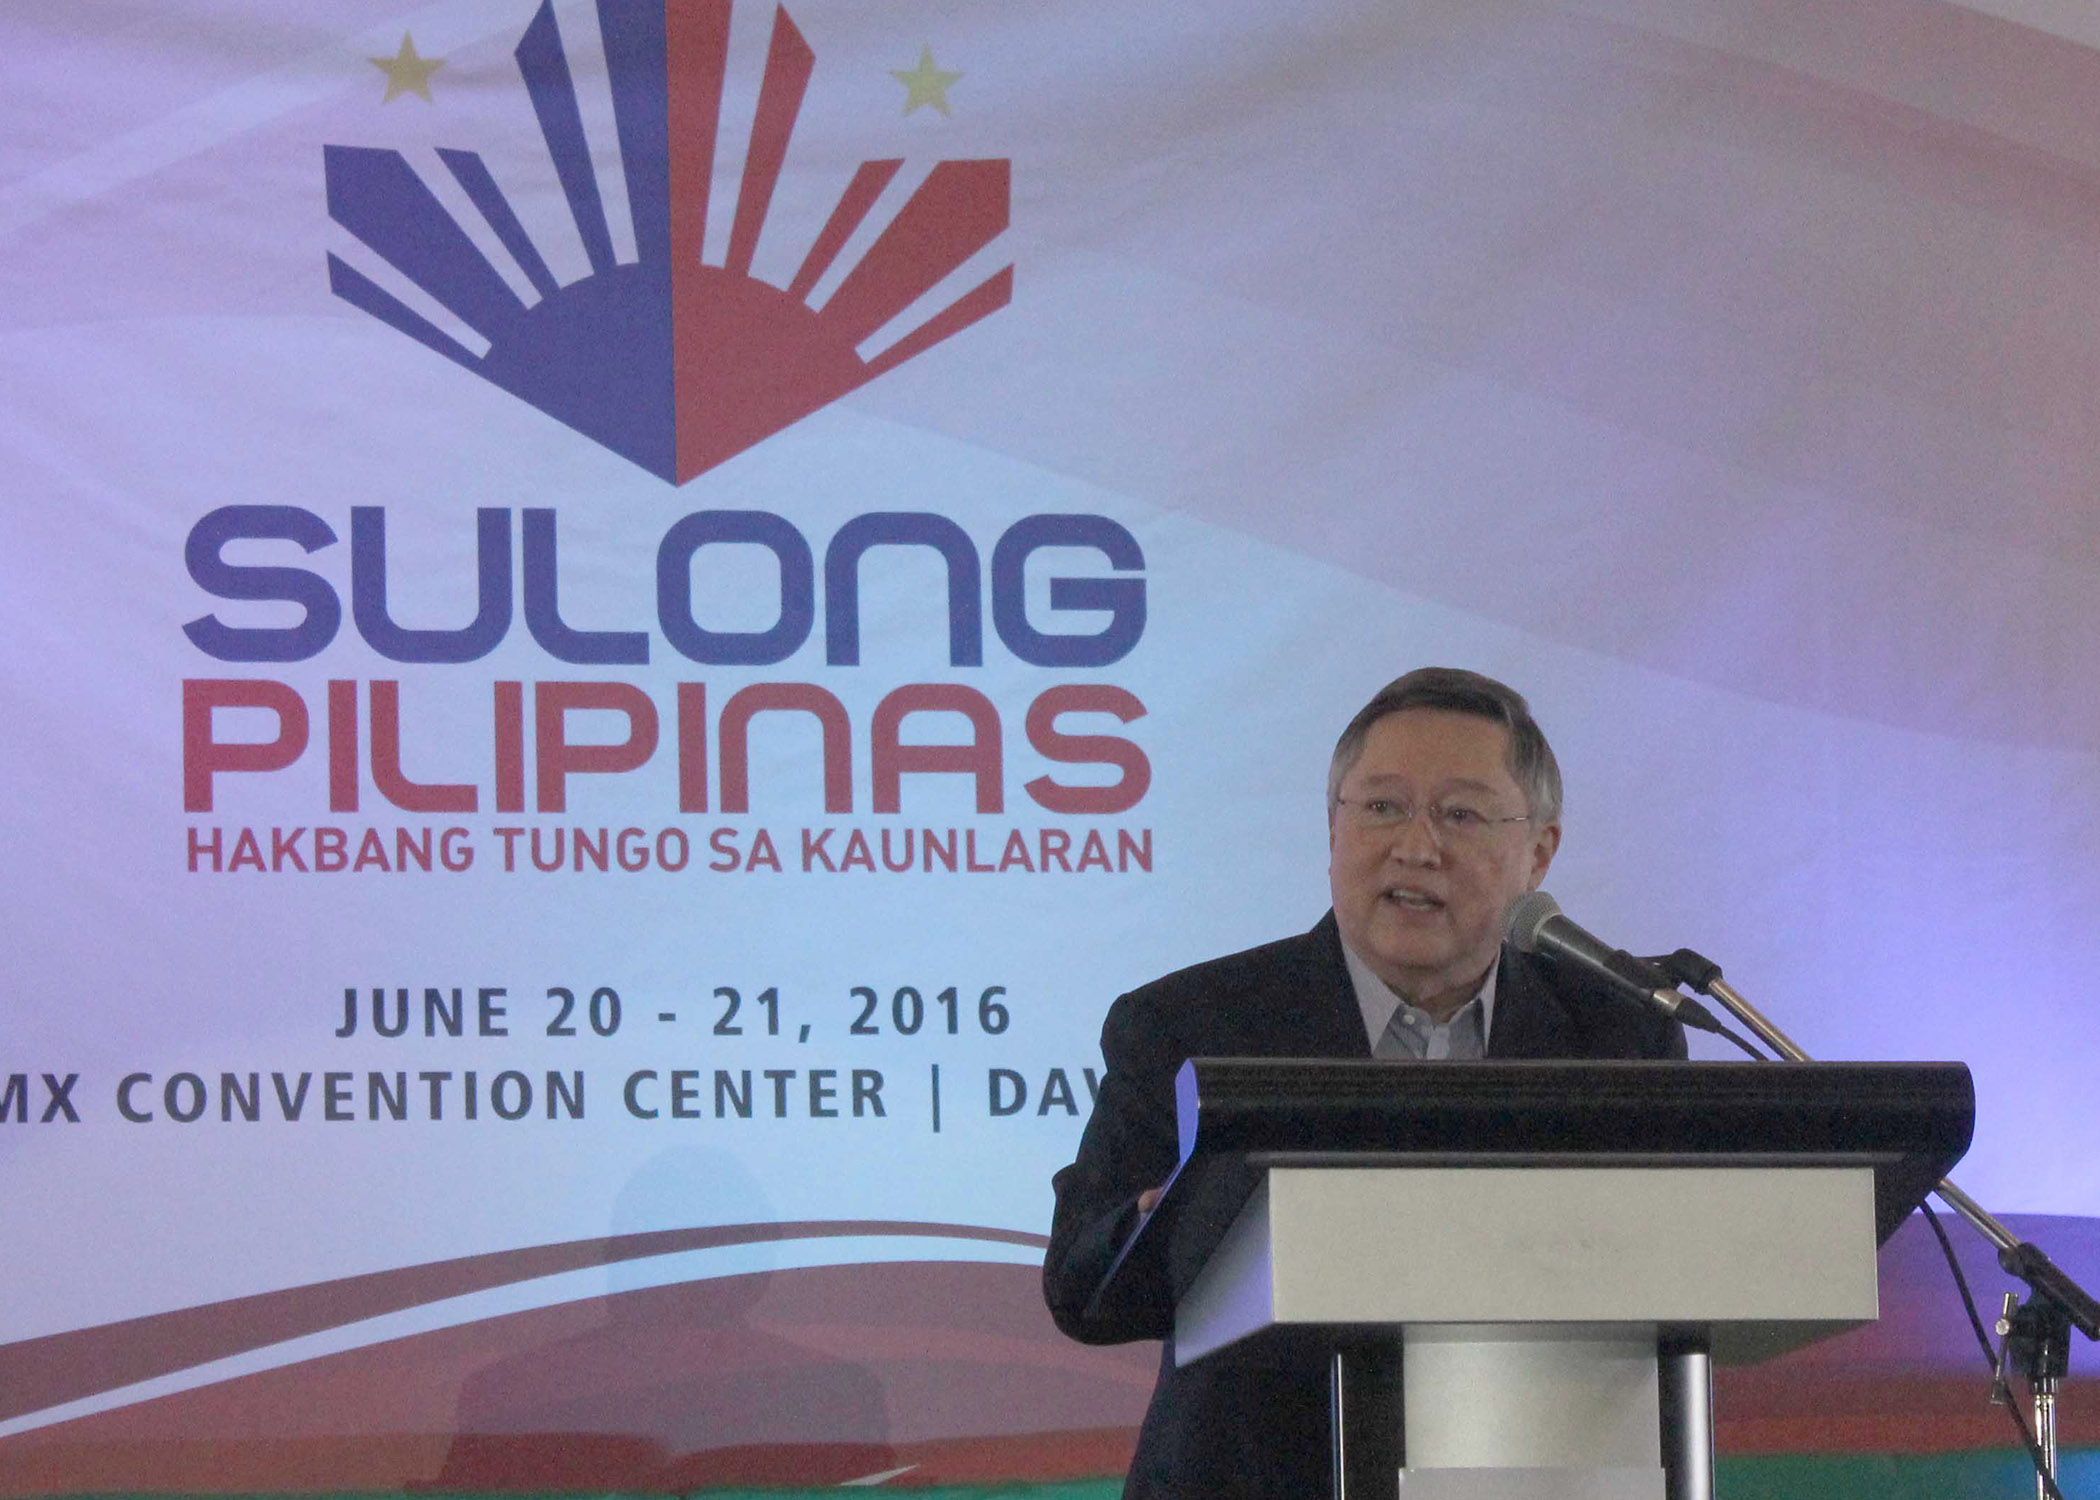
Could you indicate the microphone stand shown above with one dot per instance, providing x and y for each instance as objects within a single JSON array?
[{"x": 2037, "y": 1333}]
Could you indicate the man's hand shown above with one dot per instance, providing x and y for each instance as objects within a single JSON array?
[{"x": 1149, "y": 1199}]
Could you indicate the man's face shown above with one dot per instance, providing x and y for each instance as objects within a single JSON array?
[{"x": 1425, "y": 909}]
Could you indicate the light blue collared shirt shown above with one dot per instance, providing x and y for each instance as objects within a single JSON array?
[{"x": 1416, "y": 1035}]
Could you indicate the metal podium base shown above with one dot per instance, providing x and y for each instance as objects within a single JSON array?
[
  {"x": 1528, "y": 1412},
  {"x": 1530, "y": 1396},
  {"x": 1531, "y": 1484}
]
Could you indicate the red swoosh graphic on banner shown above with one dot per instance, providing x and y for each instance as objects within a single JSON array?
[
  {"x": 798, "y": 1377},
  {"x": 815, "y": 1376},
  {"x": 42, "y": 1372}
]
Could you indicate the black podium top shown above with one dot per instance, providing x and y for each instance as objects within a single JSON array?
[{"x": 1909, "y": 1122}]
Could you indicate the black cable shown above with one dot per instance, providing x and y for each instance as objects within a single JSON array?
[
  {"x": 1755, "y": 1055},
  {"x": 1990, "y": 1355},
  {"x": 1968, "y": 1298}
]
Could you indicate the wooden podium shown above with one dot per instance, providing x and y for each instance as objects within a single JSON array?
[{"x": 1523, "y": 1271}]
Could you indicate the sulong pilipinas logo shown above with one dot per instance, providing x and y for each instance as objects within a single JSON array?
[{"x": 672, "y": 363}]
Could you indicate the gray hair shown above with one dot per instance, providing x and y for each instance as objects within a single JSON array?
[{"x": 1455, "y": 690}]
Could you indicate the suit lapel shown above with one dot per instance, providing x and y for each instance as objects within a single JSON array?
[
  {"x": 1530, "y": 1020},
  {"x": 1338, "y": 1019}
]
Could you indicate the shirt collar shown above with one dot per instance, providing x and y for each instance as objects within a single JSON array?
[{"x": 1376, "y": 1000}]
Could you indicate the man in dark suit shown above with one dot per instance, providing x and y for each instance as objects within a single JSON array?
[{"x": 1443, "y": 807}]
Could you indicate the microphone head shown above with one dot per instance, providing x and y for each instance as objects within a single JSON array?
[{"x": 1527, "y": 918}]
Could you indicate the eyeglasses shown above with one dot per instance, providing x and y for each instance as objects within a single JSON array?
[{"x": 1448, "y": 822}]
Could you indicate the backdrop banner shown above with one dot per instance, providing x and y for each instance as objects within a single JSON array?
[{"x": 624, "y": 619}]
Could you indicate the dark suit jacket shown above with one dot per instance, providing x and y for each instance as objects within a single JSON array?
[{"x": 1237, "y": 1424}]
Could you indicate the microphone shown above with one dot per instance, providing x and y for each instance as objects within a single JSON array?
[{"x": 1537, "y": 925}]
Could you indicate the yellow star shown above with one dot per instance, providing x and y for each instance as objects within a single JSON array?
[
  {"x": 925, "y": 84},
  {"x": 406, "y": 73}
]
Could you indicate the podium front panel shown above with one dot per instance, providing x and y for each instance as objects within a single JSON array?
[{"x": 1764, "y": 1257}]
